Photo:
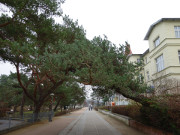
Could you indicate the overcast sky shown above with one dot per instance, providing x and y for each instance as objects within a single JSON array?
[{"x": 119, "y": 20}]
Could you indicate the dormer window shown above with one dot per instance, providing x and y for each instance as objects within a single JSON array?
[
  {"x": 157, "y": 42},
  {"x": 177, "y": 31}
]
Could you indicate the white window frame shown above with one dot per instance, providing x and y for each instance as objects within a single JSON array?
[
  {"x": 177, "y": 31},
  {"x": 179, "y": 55},
  {"x": 160, "y": 63},
  {"x": 157, "y": 41}
]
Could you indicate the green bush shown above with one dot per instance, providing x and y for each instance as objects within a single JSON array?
[
  {"x": 132, "y": 111},
  {"x": 108, "y": 108}
]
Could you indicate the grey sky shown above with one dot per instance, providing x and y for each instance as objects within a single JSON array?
[{"x": 119, "y": 20}]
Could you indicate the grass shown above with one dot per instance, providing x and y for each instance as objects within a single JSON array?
[{"x": 28, "y": 112}]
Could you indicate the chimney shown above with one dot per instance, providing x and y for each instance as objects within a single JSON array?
[{"x": 127, "y": 49}]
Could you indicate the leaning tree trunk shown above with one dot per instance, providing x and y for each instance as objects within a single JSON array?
[
  {"x": 22, "y": 105},
  {"x": 58, "y": 102}
]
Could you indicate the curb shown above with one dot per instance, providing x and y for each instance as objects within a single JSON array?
[
  {"x": 134, "y": 124},
  {"x": 122, "y": 118}
]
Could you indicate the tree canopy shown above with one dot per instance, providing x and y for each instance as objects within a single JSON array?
[{"x": 51, "y": 54}]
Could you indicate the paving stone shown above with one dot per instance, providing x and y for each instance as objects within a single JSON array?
[{"x": 89, "y": 123}]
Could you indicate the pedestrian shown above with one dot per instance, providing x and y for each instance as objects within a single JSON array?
[{"x": 91, "y": 107}]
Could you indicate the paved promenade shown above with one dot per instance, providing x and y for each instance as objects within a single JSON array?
[
  {"x": 82, "y": 122},
  {"x": 90, "y": 123}
]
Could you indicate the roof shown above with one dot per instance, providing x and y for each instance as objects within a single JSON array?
[
  {"x": 134, "y": 55},
  {"x": 141, "y": 55},
  {"x": 147, "y": 51},
  {"x": 159, "y": 21}
]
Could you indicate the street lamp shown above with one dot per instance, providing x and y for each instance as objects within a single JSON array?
[{"x": 51, "y": 111}]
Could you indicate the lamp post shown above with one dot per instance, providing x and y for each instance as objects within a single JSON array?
[{"x": 51, "y": 111}]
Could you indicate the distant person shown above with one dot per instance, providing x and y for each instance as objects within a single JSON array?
[{"x": 90, "y": 107}]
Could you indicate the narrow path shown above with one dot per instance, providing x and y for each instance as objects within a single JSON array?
[{"x": 90, "y": 123}]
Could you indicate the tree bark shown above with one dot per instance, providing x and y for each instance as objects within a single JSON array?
[
  {"x": 22, "y": 105},
  {"x": 55, "y": 108},
  {"x": 61, "y": 109},
  {"x": 37, "y": 109},
  {"x": 21, "y": 84},
  {"x": 15, "y": 109}
]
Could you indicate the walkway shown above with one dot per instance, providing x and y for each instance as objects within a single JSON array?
[
  {"x": 82, "y": 122},
  {"x": 89, "y": 123}
]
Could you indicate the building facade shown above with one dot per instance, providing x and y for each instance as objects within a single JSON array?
[
  {"x": 162, "y": 58},
  {"x": 117, "y": 99}
]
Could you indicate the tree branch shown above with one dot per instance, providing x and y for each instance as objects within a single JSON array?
[{"x": 21, "y": 84}]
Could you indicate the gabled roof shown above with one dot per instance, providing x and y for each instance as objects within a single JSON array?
[
  {"x": 134, "y": 55},
  {"x": 159, "y": 21},
  {"x": 147, "y": 51}
]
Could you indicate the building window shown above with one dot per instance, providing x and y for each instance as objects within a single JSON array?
[
  {"x": 179, "y": 55},
  {"x": 148, "y": 77},
  {"x": 160, "y": 63},
  {"x": 138, "y": 60},
  {"x": 157, "y": 42},
  {"x": 177, "y": 31},
  {"x": 140, "y": 78}
]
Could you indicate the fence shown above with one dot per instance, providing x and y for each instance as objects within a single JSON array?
[{"x": 17, "y": 120}]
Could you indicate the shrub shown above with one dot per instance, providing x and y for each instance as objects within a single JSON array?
[
  {"x": 95, "y": 108},
  {"x": 108, "y": 108},
  {"x": 163, "y": 112},
  {"x": 60, "y": 113},
  {"x": 3, "y": 111},
  {"x": 173, "y": 105},
  {"x": 132, "y": 111}
]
